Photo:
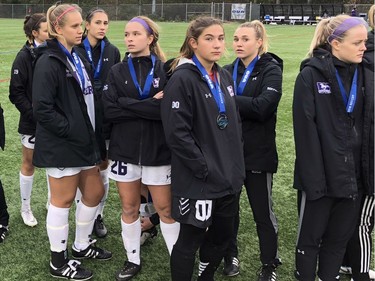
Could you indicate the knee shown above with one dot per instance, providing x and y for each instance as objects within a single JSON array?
[{"x": 130, "y": 211}]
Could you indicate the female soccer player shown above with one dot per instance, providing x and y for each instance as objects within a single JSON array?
[
  {"x": 203, "y": 131},
  {"x": 69, "y": 142},
  {"x": 328, "y": 119},
  {"x": 258, "y": 82},
  {"x": 35, "y": 27},
  {"x": 138, "y": 151},
  {"x": 102, "y": 55}
]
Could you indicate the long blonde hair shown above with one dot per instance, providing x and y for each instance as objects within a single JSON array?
[
  {"x": 154, "y": 46},
  {"x": 371, "y": 15},
  {"x": 325, "y": 31},
  {"x": 260, "y": 32},
  {"x": 56, "y": 16}
]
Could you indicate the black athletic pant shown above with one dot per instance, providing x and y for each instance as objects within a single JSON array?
[
  {"x": 4, "y": 215},
  {"x": 212, "y": 244},
  {"x": 259, "y": 193},
  {"x": 325, "y": 227},
  {"x": 358, "y": 250}
]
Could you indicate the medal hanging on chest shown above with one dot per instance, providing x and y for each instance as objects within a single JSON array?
[{"x": 221, "y": 119}]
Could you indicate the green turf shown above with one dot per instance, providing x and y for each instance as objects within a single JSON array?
[{"x": 25, "y": 253}]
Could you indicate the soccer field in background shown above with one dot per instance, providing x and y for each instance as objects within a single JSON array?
[{"x": 25, "y": 253}]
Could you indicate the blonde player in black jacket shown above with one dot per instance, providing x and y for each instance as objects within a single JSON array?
[
  {"x": 328, "y": 114},
  {"x": 258, "y": 79},
  {"x": 35, "y": 27},
  {"x": 69, "y": 142},
  {"x": 203, "y": 131},
  {"x": 138, "y": 151},
  {"x": 102, "y": 55}
]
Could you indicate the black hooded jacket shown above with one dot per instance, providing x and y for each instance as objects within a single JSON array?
[
  {"x": 65, "y": 136},
  {"x": 20, "y": 88},
  {"x": 368, "y": 123},
  {"x": 327, "y": 138},
  {"x": 207, "y": 162},
  {"x": 137, "y": 132},
  {"x": 258, "y": 107}
]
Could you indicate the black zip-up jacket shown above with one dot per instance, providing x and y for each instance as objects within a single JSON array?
[
  {"x": 111, "y": 56},
  {"x": 368, "y": 123},
  {"x": 258, "y": 107},
  {"x": 20, "y": 88},
  {"x": 327, "y": 138},
  {"x": 207, "y": 162},
  {"x": 137, "y": 132},
  {"x": 64, "y": 134}
]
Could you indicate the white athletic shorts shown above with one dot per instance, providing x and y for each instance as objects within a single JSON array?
[
  {"x": 66, "y": 172},
  {"x": 149, "y": 175},
  {"x": 28, "y": 141}
]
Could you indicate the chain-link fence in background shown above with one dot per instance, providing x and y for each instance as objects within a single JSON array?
[{"x": 188, "y": 11}]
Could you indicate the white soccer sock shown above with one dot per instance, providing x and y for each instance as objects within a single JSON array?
[
  {"x": 26, "y": 186},
  {"x": 131, "y": 237},
  {"x": 105, "y": 179},
  {"x": 57, "y": 227},
  {"x": 85, "y": 218},
  {"x": 170, "y": 233}
]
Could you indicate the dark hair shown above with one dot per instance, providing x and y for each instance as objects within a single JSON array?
[
  {"x": 32, "y": 22},
  {"x": 91, "y": 14},
  {"x": 194, "y": 30}
]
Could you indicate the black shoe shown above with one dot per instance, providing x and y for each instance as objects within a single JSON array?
[
  {"x": 91, "y": 252},
  {"x": 100, "y": 230},
  {"x": 148, "y": 234},
  {"x": 231, "y": 266},
  {"x": 267, "y": 273},
  {"x": 72, "y": 270},
  {"x": 128, "y": 271},
  {"x": 3, "y": 232}
]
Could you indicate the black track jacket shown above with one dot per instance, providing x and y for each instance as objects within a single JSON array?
[
  {"x": 137, "y": 132},
  {"x": 207, "y": 162},
  {"x": 20, "y": 88},
  {"x": 258, "y": 106},
  {"x": 64, "y": 134},
  {"x": 327, "y": 138}
]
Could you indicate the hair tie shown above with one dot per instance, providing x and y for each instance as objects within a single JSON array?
[
  {"x": 345, "y": 26},
  {"x": 63, "y": 13},
  {"x": 143, "y": 23}
]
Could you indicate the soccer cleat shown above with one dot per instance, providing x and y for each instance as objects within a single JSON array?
[
  {"x": 91, "y": 252},
  {"x": 148, "y": 234},
  {"x": 3, "y": 232},
  {"x": 72, "y": 270},
  {"x": 371, "y": 273},
  {"x": 128, "y": 271},
  {"x": 231, "y": 266},
  {"x": 267, "y": 273},
  {"x": 28, "y": 218},
  {"x": 345, "y": 270},
  {"x": 99, "y": 228}
]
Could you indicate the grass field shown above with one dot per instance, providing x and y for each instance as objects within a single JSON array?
[{"x": 25, "y": 253}]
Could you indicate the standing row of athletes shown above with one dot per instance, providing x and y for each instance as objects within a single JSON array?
[{"x": 184, "y": 124}]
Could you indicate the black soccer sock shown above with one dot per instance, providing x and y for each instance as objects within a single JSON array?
[
  {"x": 59, "y": 259},
  {"x": 183, "y": 253}
]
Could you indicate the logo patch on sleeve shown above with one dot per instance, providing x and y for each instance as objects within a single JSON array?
[
  {"x": 155, "y": 82},
  {"x": 230, "y": 90},
  {"x": 323, "y": 88}
]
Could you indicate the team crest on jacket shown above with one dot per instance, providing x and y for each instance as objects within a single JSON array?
[
  {"x": 323, "y": 88},
  {"x": 155, "y": 82},
  {"x": 230, "y": 90}
]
